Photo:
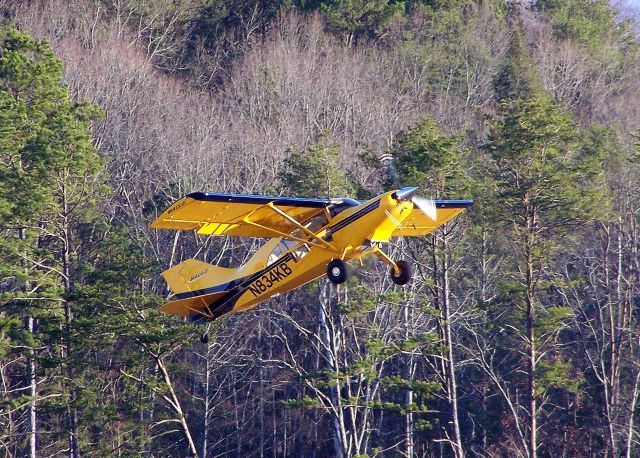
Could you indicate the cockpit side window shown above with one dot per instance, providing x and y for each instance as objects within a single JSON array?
[
  {"x": 313, "y": 225},
  {"x": 317, "y": 222},
  {"x": 282, "y": 247}
]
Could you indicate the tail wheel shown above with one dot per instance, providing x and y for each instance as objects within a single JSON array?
[
  {"x": 405, "y": 273},
  {"x": 204, "y": 338},
  {"x": 337, "y": 271}
]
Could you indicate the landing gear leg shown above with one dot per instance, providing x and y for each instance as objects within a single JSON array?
[
  {"x": 404, "y": 276},
  {"x": 400, "y": 272}
]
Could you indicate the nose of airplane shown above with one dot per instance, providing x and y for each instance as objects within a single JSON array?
[{"x": 404, "y": 194}]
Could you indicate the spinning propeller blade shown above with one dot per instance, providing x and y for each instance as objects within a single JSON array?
[{"x": 427, "y": 206}]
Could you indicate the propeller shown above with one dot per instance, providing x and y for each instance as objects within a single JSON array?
[{"x": 427, "y": 206}]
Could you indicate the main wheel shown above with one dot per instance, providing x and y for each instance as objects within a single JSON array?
[
  {"x": 405, "y": 273},
  {"x": 204, "y": 338},
  {"x": 337, "y": 271}
]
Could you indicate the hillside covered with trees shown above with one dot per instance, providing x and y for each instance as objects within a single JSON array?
[{"x": 520, "y": 332}]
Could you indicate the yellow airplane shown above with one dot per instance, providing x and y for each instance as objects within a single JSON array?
[{"x": 308, "y": 238}]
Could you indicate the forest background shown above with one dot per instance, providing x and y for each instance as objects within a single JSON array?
[{"x": 520, "y": 333}]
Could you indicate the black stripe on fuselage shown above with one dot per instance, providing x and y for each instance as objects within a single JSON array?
[
  {"x": 225, "y": 303},
  {"x": 213, "y": 289},
  {"x": 357, "y": 215}
]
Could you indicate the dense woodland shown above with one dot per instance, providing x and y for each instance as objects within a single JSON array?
[{"x": 520, "y": 332}]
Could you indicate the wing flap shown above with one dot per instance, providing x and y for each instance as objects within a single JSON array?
[{"x": 215, "y": 228}]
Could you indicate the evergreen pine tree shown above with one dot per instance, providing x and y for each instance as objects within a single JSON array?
[
  {"x": 48, "y": 184},
  {"x": 547, "y": 183}
]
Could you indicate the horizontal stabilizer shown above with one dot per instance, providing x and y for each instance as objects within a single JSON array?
[
  {"x": 188, "y": 306},
  {"x": 420, "y": 223}
]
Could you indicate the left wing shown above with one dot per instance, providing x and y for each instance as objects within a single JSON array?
[
  {"x": 417, "y": 223},
  {"x": 240, "y": 215}
]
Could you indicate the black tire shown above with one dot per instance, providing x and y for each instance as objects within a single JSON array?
[
  {"x": 204, "y": 338},
  {"x": 405, "y": 273},
  {"x": 337, "y": 271}
]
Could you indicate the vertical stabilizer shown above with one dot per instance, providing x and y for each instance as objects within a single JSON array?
[{"x": 193, "y": 275}]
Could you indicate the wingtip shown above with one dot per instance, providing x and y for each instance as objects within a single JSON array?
[{"x": 462, "y": 203}]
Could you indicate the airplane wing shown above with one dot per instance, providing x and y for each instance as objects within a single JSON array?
[
  {"x": 418, "y": 223},
  {"x": 240, "y": 215}
]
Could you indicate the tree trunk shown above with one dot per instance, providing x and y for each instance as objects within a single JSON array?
[
  {"x": 631, "y": 428},
  {"x": 610, "y": 392},
  {"x": 452, "y": 387},
  {"x": 33, "y": 392},
  {"x": 261, "y": 403},
  {"x": 531, "y": 368},
  {"x": 72, "y": 413},
  {"x": 337, "y": 423},
  {"x": 408, "y": 419},
  {"x": 31, "y": 375},
  {"x": 531, "y": 340},
  {"x": 635, "y": 277},
  {"x": 175, "y": 402},
  {"x": 207, "y": 390}
]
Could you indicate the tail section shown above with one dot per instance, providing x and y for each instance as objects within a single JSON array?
[
  {"x": 196, "y": 285},
  {"x": 193, "y": 275}
]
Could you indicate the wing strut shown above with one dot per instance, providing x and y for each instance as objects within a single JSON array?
[{"x": 322, "y": 242}]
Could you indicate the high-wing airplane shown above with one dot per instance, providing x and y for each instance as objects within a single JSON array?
[{"x": 307, "y": 238}]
